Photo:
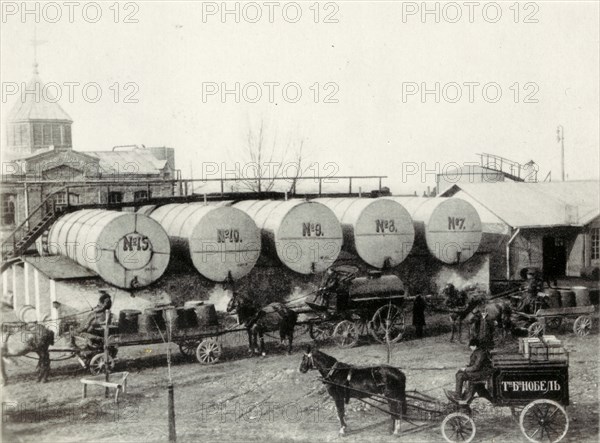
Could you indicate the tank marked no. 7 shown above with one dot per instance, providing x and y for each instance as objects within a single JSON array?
[{"x": 456, "y": 224}]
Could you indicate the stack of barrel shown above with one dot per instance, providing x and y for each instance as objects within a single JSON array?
[{"x": 569, "y": 297}]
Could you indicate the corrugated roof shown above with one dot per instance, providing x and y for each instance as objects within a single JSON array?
[
  {"x": 546, "y": 204},
  {"x": 137, "y": 161},
  {"x": 34, "y": 106}
]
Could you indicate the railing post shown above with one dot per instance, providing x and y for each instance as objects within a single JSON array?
[
  {"x": 320, "y": 185},
  {"x": 379, "y": 184},
  {"x": 67, "y": 196},
  {"x": 350, "y": 185},
  {"x": 222, "y": 187}
]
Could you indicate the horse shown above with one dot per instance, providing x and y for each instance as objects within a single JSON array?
[
  {"x": 345, "y": 381},
  {"x": 459, "y": 314},
  {"x": 274, "y": 316},
  {"x": 33, "y": 337},
  {"x": 496, "y": 312}
]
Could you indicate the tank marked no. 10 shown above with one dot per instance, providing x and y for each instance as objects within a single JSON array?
[{"x": 228, "y": 235}]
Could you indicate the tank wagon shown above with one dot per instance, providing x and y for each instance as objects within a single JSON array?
[
  {"x": 222, "y": 242},
  {"x": 450, "y": 227},
  {"x": 379, "y": 231},
  {"x": 126, "y": 249},
  {"x": 304, "y": 235}
]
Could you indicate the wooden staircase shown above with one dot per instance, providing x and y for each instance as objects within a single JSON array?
[{"x": 30, "y": 230}]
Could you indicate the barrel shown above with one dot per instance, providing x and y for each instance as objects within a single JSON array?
[
  {"x": 582, "y": 296},
  {"x": 304, "y": 236},
  {"x": 128, "y": 250},
  {"x": 222, "y": 242},
  {"x": 567, "y": 298},
  {"x": 206, "y": 315},
  {"x": 27, "y": 314},
  {"x": 186, "y": 318},
  {"x": 128, "y": 321},
  {"x": 450, "y": 228},
  {"x": 379, "y": 231},
  {"x": 554, "y": 298},
  {"x": 155, "y": 320}
]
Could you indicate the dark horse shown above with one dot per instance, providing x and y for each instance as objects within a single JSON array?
[
  {"x": 275, "y": 316},
  {"x": 345, "y": 381},
  {"x": 19, "y": 339}
]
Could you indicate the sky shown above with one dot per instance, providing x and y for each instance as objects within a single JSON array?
[{"x": 507, "y": 75}]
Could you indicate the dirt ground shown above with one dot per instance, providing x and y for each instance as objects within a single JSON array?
[{"x": 268, "y": 399}]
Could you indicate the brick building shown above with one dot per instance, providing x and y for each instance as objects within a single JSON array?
[{"x": 39, "y": 163}]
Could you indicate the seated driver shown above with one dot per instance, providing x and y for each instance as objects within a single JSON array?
[
  {"x": 97, "y": 317},
  {"x": 479, "y": 369}
]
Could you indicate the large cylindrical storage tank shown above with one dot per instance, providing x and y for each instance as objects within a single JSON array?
[
  {"x": 450, "y": 227},
  {"x": 304, "y": 235},
  {"x": 128, "y": 250},
  {"x": 379, "y": 231},
  {"x": 222, "y": 242}
]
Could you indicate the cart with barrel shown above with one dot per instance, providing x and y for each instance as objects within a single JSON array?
[
  {"x": 348, "y": 306},
  {"x": 552, "y": 309},
  {"x": 195, "y": 327}
]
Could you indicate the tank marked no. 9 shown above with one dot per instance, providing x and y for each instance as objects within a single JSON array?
[{"x": 304, "y": 236}]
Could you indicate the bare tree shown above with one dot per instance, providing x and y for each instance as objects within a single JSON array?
[{"x": 269, "y": 161}]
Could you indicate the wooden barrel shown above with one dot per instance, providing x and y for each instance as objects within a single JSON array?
[
  {"x": 582, "y": 295},
  {"x": 567, "y": 298},
  {"x": 186, "y": 318},
  {"x": 594, "y": 295},
  {"x": 155, "y": 321},
  {"x": 206, "y": 314},
  {"x": 554, "y": 299},
  {"x": 128, "y": 321},
  {"x": 27, "y": 314}
]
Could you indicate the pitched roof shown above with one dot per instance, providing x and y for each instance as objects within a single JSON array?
[
  {"x": 136, "y": 161},
  {"x": 38, "y": 104},
  {"x": 527, "y": 205}
]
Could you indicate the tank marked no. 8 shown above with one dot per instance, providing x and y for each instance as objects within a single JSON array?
[
  {"x": 309, "y": 229},
  {"x": 381, "y": 226}
]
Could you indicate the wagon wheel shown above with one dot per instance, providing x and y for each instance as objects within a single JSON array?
[
  {"x": 209, "y": 351},
  {"x": 543, "y": 420},
  {"x": 582, "y": 326},
  {"x": 188, "y": 348},
  {"x": 536, "y": 329},
  {"x": 98, "y": 363},
  {"x": 320, "y": 331},
  {"x": 345, "y": 334},
  {"x": 554, "y": 322},
  {"x": 387, "y": 322},
  {"x": 458, "y": 427}
]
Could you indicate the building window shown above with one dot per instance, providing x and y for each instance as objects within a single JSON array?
[
  {"x": 8, "y": 209},
  {"x": 115, "y": 197},
  {"x": 595, "y": 243},
  {"x": 61, "y": 198},
  {"x": 141, "y": 195}
]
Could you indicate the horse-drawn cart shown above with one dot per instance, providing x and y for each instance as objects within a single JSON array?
[
  {"x": 195, "y": 328},
  {"x": 347, "y": 306},
  {"x": 535, "y": 388},
  {"x": 553, "y": 317}
]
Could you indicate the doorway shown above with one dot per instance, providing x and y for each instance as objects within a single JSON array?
[{"x": 555, "y": 257}]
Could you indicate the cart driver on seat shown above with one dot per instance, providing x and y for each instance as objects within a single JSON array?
[
  {"x": 98, "y": 315},
  {"x": 479, "y": 370}
]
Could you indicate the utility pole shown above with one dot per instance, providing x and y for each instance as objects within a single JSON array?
[{"x": 560, "y": 136}]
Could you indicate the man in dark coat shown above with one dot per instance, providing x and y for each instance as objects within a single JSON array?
[
  {"x": 98, "y": 315},
  {"x": 419, "y": 306},
  {"x": 479, "y": 369}
]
